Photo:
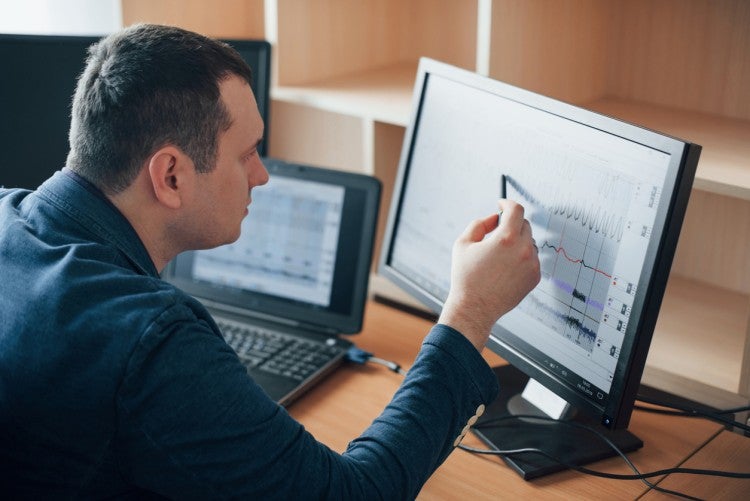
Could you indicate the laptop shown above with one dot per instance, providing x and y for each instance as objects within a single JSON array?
[{"x": 289, "y": 291}]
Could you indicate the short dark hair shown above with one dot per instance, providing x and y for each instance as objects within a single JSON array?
[{"x": 145, "y": 87}]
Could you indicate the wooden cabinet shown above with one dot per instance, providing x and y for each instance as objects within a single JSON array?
[{"x": 342, "y": 88}]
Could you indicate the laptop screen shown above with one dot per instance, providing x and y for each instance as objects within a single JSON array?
[{"x": 304, "y": 253}]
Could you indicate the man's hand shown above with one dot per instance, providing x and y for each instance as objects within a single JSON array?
[{"x": 490, "y": 276}]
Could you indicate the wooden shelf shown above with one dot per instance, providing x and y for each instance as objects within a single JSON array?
[
  {"x": 724, "y": 166},
  {"x": 382, "y": 95},
  {"x": 246, "y": 18},
  {"x": 325, "y": 39},
  {"x": 700, "y": 334}
]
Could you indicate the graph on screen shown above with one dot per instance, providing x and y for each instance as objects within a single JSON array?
[
  {"x": 578, "y": 242},
  {"x": 590, "y": 223}
]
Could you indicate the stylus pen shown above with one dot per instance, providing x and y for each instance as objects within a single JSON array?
[{"x": 503, "y": 191}]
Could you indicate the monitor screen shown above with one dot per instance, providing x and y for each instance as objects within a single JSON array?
[
  {"x": 605, "y": 200},
  {"x": 37, "y": 84}
]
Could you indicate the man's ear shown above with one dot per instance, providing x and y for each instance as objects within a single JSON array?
[{"x": 170, "y": 171}]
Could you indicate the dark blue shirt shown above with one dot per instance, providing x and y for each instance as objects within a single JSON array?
[{"x": 113, "y": 382}]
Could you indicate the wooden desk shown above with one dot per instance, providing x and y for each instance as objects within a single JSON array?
[
  {"x": 342, "y": 406},
  {"x": 728, "y": 451}
]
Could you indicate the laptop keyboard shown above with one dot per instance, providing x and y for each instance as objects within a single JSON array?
[{"x": 276, "y": 352}]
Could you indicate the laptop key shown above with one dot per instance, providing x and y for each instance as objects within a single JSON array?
[
  {"x": 276, "y": 353},
  {"x": 251, "y": 362}
]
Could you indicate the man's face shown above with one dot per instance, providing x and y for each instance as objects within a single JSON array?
[{"x": 225, "y": 191}]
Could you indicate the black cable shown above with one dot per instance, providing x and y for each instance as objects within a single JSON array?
[
  {"x": 666, "y": 471},
  {"x": 654, "y": 401},
  {"x": 580, "y": 469},
  {"x": 615, "y": 476},
  {"x": 744, "y": 408},
  {"x": 692, "y": 412},
  {"x": 606, "y": 440}
]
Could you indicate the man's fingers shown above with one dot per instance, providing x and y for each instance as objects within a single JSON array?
[
  {"x": 512, "y": 215},
  {"x": 509, "y": 220},
  {"x": 478, "y": 228}
]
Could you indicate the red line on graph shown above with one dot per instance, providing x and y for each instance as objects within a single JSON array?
[{"x": 558, "y": 250}]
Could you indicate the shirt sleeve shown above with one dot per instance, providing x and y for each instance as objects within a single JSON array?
[{"x": 193, "y": 424}]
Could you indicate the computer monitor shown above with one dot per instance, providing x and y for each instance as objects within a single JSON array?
[
  {"x": 39, "y": 74},
  {"x": 605, "y": 200},
  {"x": 257, "y": 54}
]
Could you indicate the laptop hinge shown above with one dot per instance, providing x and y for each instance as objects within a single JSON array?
[{"x": 320, "y": 329}]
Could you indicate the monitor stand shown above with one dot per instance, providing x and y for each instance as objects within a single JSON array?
[{"x": 569, "y": 443}]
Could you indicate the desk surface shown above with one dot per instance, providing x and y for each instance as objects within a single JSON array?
[
  {"x": 343, "y": 405},
  {"x": 729, "y": 452}
]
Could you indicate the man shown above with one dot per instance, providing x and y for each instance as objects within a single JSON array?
[{"x": 113, "y": 383}]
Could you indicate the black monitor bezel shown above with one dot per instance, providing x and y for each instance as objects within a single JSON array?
[
  {"x": 261, "y": 81},
  {"x": 615, "y": 413},
  {"x": 261, "y": 50}
]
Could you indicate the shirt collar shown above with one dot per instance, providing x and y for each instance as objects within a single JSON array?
[{"x": 85, "y": 203}]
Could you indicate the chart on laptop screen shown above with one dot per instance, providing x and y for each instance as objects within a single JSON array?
[{"x": 288, "y": 243}]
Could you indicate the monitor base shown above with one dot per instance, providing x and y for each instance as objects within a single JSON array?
[{"x": 562, "y": 440}]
